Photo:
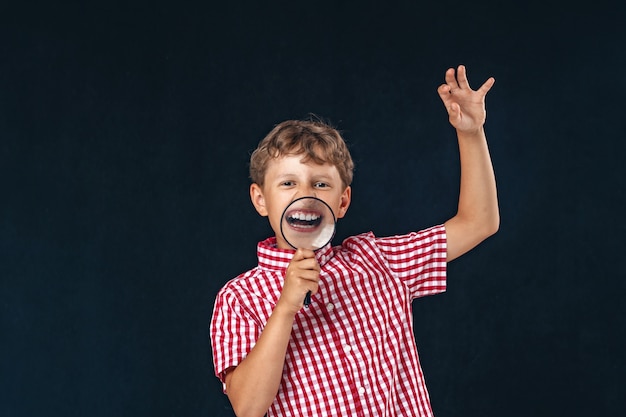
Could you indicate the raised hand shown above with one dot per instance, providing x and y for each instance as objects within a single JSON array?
[{"x": 466, "y": 107}]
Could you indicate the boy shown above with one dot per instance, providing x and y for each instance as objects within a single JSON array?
[{"x": 351, "y": 352}]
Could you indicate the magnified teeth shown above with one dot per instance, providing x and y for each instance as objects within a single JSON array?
[
  {"x": 304, "y": 219},
  {"x": 304, "y": 216}
]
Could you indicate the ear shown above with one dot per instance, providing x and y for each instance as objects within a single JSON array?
[
  {"x": 344, "y": 202},
  {"x": 258, "y": 200}
]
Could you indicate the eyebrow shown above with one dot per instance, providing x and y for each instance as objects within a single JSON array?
[
  {"x": 316, "y": 177},
  {"x": 322, "y": 177}
]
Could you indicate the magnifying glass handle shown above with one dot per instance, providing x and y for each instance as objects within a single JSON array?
[{"x": 307, "y": 299}]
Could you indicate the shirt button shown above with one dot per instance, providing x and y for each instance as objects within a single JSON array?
[
  {"x": 330, "y": 306},
  {"x": 361, "y": 391},
  {"x": 347, "y": 348}
]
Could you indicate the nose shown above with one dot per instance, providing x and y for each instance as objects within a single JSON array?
[{"x": 305, "y": 191}]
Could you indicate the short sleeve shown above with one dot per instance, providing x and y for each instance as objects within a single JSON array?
[
  {"x": 418, "y": 259},
  {"x": 233, "y": 332}
]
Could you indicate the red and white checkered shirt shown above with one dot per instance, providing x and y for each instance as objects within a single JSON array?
[{"x": 352, "y": 351}]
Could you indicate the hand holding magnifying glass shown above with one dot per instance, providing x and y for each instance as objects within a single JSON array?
[{"x": 308, "y": 223}]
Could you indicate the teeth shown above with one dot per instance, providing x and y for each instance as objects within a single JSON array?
[{"x": 305, "y": 216}]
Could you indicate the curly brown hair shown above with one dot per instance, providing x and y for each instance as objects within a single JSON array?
[{"x": 316, "y": 140}]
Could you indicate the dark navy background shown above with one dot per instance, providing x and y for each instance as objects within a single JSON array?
[{"x": 125, "y": 131}]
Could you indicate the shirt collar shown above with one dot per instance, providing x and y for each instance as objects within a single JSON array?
[{"x": 271, "y": 257}]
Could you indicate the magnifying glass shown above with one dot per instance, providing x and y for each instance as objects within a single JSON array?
[{"x": 308, "y": 223}]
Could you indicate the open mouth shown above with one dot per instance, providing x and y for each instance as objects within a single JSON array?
[{"x": 304, "y": 220}]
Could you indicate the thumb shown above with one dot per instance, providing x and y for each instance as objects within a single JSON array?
[{"x": 301, "y": 254}]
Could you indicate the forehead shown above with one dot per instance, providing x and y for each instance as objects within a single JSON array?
[{"x": 297, "y": 165}]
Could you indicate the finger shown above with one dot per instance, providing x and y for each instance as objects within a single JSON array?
[
  {"x": 301, "y": 254},
  {"x": 314, "y": 289},
  {"x": 484, "y": 89},
  {"x": 296, "y": 273},
  {"x": 309, "y": 264},
  {"x": 454, "y": 113},
  {"x": 297, "y": 256},
  {"x": 309, "y": 275},
  {"x": 443, "y": 90},
  {"x": 451, "y": 79},
  {"x": 461, "y": 76},
  {"x": 444, "y": 95},
  {"x": 307, "y": 282},
  {"x": 302, "y": 278}
]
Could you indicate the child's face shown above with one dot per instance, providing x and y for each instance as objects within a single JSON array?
[{"x": 288, "y": 178}]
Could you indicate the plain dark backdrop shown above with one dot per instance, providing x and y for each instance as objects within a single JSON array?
[{"x": 125, "y": 131}]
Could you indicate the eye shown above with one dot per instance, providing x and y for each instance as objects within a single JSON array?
[
  {"x": 287, "y": 183},
  {"x": 321, "y": 185}
]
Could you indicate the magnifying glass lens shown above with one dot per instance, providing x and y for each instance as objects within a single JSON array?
[{"x": 308, "y": 223}]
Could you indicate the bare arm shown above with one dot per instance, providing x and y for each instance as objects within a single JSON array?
[
  {"x": 478, "y": 215},
  {"x": 252, "y": 386}
]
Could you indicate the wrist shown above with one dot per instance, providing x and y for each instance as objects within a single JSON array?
[
  {"x": 476, "y": 134},
  {"x": 285, "y": 311}
]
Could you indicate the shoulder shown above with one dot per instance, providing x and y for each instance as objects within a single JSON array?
[
  {"x": 357, "y": 240},
  {"x": 252, "y": 294},
  {"x": 239, "y": 285},
  {"x": 435, "y": 235}
]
